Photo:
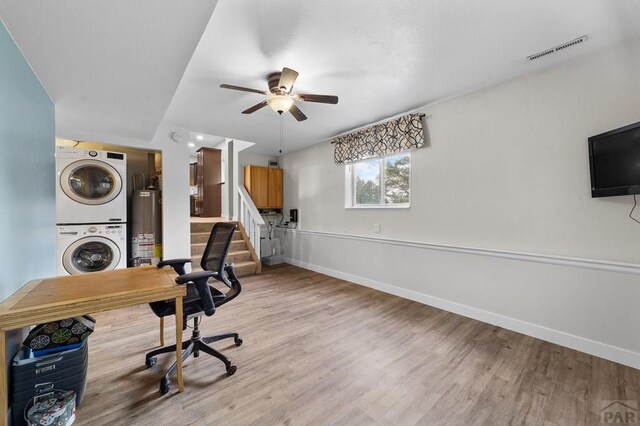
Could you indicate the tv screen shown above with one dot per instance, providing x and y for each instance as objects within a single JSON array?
[{"x": 614, "y": 158}]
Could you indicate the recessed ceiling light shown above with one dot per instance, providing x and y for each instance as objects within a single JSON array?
[
  {"x": 191, "y": 144},
  {"x": 199, "y": 137}
]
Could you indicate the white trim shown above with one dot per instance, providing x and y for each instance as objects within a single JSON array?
[
  {"x": 250, "y": 218},
  {"x": 350, "y": 190},
  {"x": 377, "y": 207},
  {"x": 601, "y": 265},
  {"x": 250, "y": 206},
  {"x": 602, "y": 350}
]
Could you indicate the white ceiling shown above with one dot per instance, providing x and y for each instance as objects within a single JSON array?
[
  {"x": 381, "y": 58},
  {"x": 112, "y": 67}
]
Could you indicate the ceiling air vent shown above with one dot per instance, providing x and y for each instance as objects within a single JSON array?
[{"x": 557, "y": 48}]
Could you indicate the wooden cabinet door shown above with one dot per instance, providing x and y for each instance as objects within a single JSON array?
[
  {"x": 209, "y": 200},
  {"x": 259, "y": 186},
  {"x": 275, "y": 188}
]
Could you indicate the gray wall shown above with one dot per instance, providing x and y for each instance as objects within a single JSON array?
[{"x": 27, "y": 172}]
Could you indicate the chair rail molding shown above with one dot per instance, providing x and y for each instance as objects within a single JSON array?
[{"x": 602, "y": 265}]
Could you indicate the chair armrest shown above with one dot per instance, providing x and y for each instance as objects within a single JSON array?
[
  {"x": 176, "y": 264},
  {"x": 199, "y": 279},
  {"x": 231, "y": 277},
  {"x": 195, "y": 276}
]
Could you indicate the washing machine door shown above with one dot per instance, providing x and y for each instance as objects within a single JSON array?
[
  {"x": 91, "y": 182},
  {"x": 91, "y": 254}
]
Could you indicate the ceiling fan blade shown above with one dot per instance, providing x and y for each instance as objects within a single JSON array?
[
  {"x": 287, "y": 78},
  {"x": 295, "y": 111},
  {"x": 255, "y": 107},
  {"x": 242, "y": 89},
  {"x": 323, "y": 99}
]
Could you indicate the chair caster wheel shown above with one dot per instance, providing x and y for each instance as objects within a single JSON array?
[
  {"x": 231, "y": 370},
  {"x": 164, "y": 386},
  {"x": 238, "y": 341},
  {"x": 150, "y": 362}
]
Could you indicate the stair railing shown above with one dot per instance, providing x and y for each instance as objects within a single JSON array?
[{"x": 250, "y": 218}]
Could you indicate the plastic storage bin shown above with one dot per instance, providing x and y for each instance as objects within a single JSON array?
[{"x": 65, "y": 370}]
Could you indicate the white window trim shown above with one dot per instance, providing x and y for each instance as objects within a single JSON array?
[{"x": 349, "y": 182}]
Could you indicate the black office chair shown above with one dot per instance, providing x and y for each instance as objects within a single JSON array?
[{"x": 201, "y": 299}]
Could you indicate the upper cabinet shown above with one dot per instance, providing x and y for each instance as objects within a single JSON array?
[
  {"x": 275, "y": 188},
  {"x": 265, "y": 186}
]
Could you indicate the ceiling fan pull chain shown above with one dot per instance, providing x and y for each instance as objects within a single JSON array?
[{"x": 281, "y": 132}]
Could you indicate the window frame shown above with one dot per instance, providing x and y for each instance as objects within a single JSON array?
[{"x": 350, "y": 184}]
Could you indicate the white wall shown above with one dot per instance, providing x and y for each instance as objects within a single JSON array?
[
  {"x": 507, "y": 168},
  {"x": 176, "y": 236}
]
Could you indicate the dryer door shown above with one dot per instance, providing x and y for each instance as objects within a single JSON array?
[
  {"x": 91, "y": 254},
  {"x": 91, "y": 182}
]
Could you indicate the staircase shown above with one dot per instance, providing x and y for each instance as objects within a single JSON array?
[{"x": 241, "y": 254}]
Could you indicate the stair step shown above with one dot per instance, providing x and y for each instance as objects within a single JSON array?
[
  {"x": 197, "y": 227},
  {"x": 239, "y": 253},
  {"x": 238, "y": 245},
  {"x": 242, "y": 269},
  {"x": 238, "y": 256},
  {"x": 203, "y": 237},
  {"x": 232, "y": 257},
  {"x": 198, "y": 249}
]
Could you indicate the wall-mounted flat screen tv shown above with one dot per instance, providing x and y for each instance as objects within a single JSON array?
[{"x": 614, "y": 158}]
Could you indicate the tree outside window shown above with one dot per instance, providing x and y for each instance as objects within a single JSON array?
[
  {"x": 396, "y": 179},
  {"x": 367, "y": 184},
  {"x": 380, "y": 182}
]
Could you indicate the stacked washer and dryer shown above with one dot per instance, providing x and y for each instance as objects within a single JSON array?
[{"x": 91, "y": 210}]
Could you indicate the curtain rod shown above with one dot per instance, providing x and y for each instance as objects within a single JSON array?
[{"x": 395, "y": 117}]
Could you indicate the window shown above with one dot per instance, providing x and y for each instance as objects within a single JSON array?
[{"x": 379, "y": 182}]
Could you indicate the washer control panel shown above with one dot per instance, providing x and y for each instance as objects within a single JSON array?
[{"x": 116, "y": 232}]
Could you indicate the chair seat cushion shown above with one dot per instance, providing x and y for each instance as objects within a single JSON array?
[{"x": 191, "y": 303}]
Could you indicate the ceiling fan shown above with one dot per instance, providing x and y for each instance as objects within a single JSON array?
[{"x": 279, "y": 97}]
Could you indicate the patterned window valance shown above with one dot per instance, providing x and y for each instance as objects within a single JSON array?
[{"x": 382, "y": 139}]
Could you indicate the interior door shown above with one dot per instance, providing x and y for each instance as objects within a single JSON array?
[{"x": 91, "y": 182}]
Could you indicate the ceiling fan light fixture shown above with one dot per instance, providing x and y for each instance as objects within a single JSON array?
[
  {"x": 280, "y": 103},
  {"x": 280, "y": 97}
]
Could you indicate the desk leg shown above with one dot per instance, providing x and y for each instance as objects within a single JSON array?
[
  {"x": 161, "y": 331},
  {"x": 179, "y": 343},
  {"x": 4, "y": 398}
]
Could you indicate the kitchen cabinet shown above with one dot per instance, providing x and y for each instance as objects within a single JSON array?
[
  {"x": 265, "y": 186},
  {"x": 193, "y": 172}
]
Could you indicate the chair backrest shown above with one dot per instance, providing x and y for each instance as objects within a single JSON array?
[{"x": 217, "y": 247}]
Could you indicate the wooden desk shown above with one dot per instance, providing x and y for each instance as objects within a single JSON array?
[{"x": 52, "y": 299}]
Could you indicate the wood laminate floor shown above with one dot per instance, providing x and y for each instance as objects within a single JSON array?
[{"x": 319, "y": 350}]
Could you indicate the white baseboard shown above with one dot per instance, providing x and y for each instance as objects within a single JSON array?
[{"x": 591, "y": 347}]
